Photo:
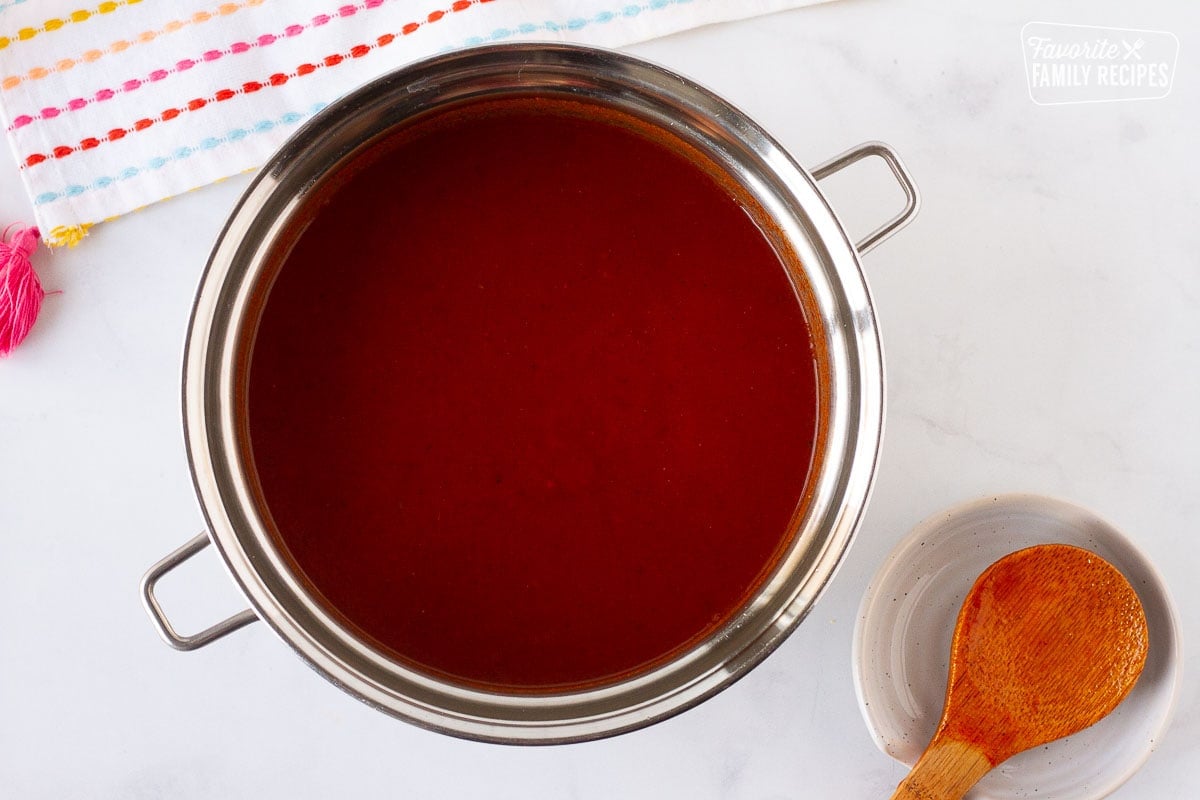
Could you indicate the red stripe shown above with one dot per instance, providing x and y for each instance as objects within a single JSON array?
[{"x": 220, "y": 96}]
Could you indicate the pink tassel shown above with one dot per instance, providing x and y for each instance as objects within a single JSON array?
[{"x": 20, "y": 290}]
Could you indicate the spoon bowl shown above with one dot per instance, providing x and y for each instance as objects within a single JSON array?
[{"x": 1049, "y": 640}]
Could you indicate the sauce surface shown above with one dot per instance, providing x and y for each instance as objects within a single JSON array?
[{"x": 533, "y": 400}]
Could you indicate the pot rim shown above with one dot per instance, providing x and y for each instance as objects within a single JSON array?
[{"x": 217, "y": 348}]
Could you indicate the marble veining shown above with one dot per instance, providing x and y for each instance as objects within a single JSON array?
[{"x": 1040, "y": 332}]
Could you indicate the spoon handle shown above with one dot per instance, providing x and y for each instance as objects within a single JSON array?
[{"x": 947, "y": 770}]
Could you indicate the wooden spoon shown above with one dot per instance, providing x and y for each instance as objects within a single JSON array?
[{"x": 1049, "y": 640}]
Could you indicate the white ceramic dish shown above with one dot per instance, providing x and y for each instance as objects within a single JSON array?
[{"x": 905, "y": 623}]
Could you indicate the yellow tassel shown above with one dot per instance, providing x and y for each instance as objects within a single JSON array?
[{"x": 68, "y": 235}]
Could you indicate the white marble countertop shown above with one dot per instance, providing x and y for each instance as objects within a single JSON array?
[{"x": 1041, "y": 329}]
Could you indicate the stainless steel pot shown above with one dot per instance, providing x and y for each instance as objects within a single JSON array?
[{"x": 235, "y": 284}]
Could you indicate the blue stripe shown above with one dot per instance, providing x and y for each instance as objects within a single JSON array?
[
  {"x": 571, "y": 24},
  {"x": 179, "y": 154},
  {"x": 5, "y": 6}
]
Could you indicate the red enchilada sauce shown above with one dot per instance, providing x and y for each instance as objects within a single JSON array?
[{"x": 533, "y": 400}]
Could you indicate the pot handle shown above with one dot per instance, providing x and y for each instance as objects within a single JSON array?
[
  {"x": 913, "y": 199},
  {"x": 162, "y": 625}
]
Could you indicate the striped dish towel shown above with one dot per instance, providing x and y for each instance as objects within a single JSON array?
[{"x": 111, "y": 105}]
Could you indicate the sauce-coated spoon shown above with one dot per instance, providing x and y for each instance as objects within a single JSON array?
[{"x": 1049, "y": 640}]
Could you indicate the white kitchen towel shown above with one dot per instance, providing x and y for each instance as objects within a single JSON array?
[{"x": 114, "y": 105}]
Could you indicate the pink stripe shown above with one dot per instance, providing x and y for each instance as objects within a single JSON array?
[{"x": 237, "y": 48}]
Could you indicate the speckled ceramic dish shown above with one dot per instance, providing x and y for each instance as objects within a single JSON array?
[{"x": 902, "y": 645}]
